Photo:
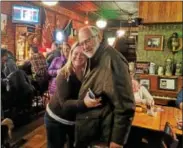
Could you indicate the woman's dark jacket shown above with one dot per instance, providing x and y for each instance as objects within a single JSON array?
[
  {"x": 64, "y": 102},
  {"x": 108, "y": 77}
]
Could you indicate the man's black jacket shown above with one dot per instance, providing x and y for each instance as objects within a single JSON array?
[{"x": 107, "y": 75}]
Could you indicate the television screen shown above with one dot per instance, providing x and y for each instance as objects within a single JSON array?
[{"x": 25, "y": 14}]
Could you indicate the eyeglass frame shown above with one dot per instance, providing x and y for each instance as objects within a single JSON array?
[{"x": 87, "y": 40}]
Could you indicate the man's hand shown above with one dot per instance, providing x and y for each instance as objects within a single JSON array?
[
  {"x": 115, "y": 145},
  {"x": 91, "y": 102}
]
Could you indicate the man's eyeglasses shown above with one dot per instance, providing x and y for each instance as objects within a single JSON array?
[{"x": 87, "y": 41}]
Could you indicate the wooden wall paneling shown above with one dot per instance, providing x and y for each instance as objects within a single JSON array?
[
  {"x": 180, "y": 83},
  {"x": 61, "y": 21},
  {"x": 160, "y": 12},
  {"x": 48, "y": 28},
  {"x": 8, "y": 39}
]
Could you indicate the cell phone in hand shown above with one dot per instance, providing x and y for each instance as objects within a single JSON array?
[{"x": 91, "y": 94}]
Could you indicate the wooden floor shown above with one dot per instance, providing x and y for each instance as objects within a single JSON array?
[{"x": 36, "y": 139}]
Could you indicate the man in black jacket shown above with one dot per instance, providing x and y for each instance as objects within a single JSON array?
[{"x": 107, "y": 75}]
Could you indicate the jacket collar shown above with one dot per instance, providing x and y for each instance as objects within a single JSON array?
[{"x": 94, "y": 60}]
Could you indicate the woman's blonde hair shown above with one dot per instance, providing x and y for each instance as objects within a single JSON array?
[
  {"x": 61, "y": 46},
  {"x": 66, "y": 70}
]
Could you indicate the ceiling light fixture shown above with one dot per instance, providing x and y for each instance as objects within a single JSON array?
[
  {"x": 49, "y": 3},
  {"x": 120, "y": 32},
  {"x": 101, "y": 23}
]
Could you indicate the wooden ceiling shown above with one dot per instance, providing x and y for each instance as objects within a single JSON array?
[{"x": 113, "y": 11}]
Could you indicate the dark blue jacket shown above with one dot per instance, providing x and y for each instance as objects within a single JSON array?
[{"x": 179, "y": 98}]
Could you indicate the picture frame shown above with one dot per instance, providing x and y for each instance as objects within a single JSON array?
[
  {"x": 145, "y": 83},
  {"x": 153, "y": 42},
  {"x": 142, "y": 67},
  {"x": 4, "y": 19},
  {"x": 167, "y": 84}
]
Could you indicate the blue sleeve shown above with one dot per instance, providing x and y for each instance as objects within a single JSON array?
[{"x": 179, "y": 98}]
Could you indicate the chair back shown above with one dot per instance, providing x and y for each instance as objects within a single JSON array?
[{"x": 169, "y": 139}]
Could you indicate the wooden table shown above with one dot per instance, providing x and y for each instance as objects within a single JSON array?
[
  {"x": 168, "y": 116},
  {"x": 158, "y": 122},
  {"x": 143, "y": 120}
]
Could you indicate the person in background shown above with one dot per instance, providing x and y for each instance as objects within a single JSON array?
[
  {"x": 179, "y": 100},
  {"x": 8, "y": 62},
  {"x": 38, "y": 62},
  {"x": 107, "y": 75},
  {"x": 8, "y": 67},
  {"x": 55, "y": 66},
  {"x": 141, "y": 94},
  {"x": 61, "y": 110},
  {"x": 52, "y": 53},
  {"x": 39, "y": 70}
]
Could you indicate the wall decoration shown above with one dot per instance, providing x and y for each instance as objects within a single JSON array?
[
  {"x": 3, "y": 23},
  {"x": 174, "y": 43},
  {"x": 145, "y": 83},
  {"x": 168, "y": 83},
  {"x": 142, "y": 67},
  {"x": 153, "y": 42}
]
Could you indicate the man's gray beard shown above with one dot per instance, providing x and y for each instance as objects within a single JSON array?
[{"x": 89, "y": 55}]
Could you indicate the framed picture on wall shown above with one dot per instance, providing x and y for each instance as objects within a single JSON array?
[
  {"x": 153, "y": 42},
  {"x": 142, "y": 67},
  {"x": 168, "y": 84},
  {"x": 3, "y": 23},
  {"x": 145, "y": 83}
]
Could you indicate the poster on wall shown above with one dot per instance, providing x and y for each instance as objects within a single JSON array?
[{"x": 3, "y": 23}]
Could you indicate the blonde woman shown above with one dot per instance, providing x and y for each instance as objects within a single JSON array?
[{"x": 61, "y": 111}]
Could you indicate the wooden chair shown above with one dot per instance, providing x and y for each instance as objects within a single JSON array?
[{"x": 169, "y": 139}]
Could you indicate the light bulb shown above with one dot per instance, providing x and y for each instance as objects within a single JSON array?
[
  {"x": 86, "y": 22},
  {"x": 50, "y": 3},
  {"x": 120, "y": 33},
  {"x": 59, "y": 36},
  {"x": 101, "y": 23}
]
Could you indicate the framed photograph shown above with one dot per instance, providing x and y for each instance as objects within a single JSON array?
[
  {"x": 145, "y": 83},
  {"x": 168, "y": 84},
  {"x": 3, "y": 23},
  {"x": 153, "y": 42},
  {"x": 142, "y": 67}
]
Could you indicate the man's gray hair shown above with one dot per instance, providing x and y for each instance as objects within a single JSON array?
[{"x": 94, "y": 31}]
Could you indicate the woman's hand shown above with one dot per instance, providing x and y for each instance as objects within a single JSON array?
[
  {"x": 149, "y": 102},
  {"x": 91, "y": 102}
]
